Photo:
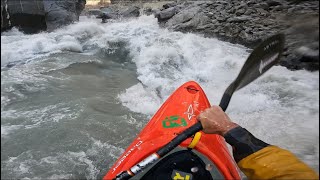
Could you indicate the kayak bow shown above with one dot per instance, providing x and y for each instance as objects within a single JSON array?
[
  {"x": 175, "y": 115},
  {"x": 175, "y": 123}
]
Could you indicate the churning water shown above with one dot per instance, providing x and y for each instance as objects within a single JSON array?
[{"x": 73, "y": 99}]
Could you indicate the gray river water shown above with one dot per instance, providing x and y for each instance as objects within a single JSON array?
[{"x": 73, "y": 99}]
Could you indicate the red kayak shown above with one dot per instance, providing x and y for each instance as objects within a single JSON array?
[{"x": 203, "y": 156}]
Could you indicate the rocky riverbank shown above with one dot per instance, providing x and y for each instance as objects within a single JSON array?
[{"x": 248, "y": 22}]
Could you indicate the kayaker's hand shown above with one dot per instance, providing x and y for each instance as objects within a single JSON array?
[{"x": 215, "y": 121}]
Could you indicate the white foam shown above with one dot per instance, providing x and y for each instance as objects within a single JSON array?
[
  {"x": 7, "y": 129},
  {"x": 16, "y": 46},
  {"x": 98, "y": 147},
  {"x": 59, "y": 164},
  {"x": 277, "y": 107},
  {"x": 281, "y": 107},
  {"x": 147, "y": 101},
  {"x": 39, "y": 116}
]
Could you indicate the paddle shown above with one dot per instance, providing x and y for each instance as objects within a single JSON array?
[{"x": 263, "y": 57}]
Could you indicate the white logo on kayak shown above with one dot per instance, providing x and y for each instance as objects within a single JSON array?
[
  {"x": 126, "y": 155},
  {"x": 190, "y": 112},
  {"x": 265, "y": 63}
]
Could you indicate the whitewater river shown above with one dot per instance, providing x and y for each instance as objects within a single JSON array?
[{"x": 73, "y": 99}]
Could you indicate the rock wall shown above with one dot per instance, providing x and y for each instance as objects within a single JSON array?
[
  {"x": 36, "y": 15},
  {"x": 249, "y": 22},
  {"x": 5, "y": 17}
]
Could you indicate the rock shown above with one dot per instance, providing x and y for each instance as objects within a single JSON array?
[
  {"x": 248, "y": 30},
  {"x": 5, "y": 17},
  {"x": 214, "y": 21},
  {"x": 302, "y": 42},
  {"x": 231, "y": 11},
  {"x": 166, "y": 14},
  {"x": 239, "y": 19},
  {"x": 221, "y": 18},
  {"x": 273, "y": 3},
  {"x": 206, "y": 26},
  {"x": 241, "y": 6},
  {"x": 80, "y": 5},
  {"x": 294, "y": 62},
  {"x": 240, "y": 12},
  {"x": 199, "y": 20},
  {"x": 210, "y": 14},
  {"x": 245, "y": 36},
  {"x": 169, "y": 5},
  {"x": 249, "y": 11},
  {"x": 219, "y": 8},
  {"x": 308, "y": 54},
  {"x": 248, "y": 22},
  {"x": 251, "y": 2},
  {"x": 59, "y": 13},
  {"x": 33, "y": 16},
  {"x": 106, "y": 16},
  {"x": 231, "y": 30},
  {"x": 148, "y": 11},
  {"x": 183, "y": 16},
  {"x": 222, "y": 2},
  {"x": 133, "y": 11},
  {"x": 262, "y": 11},
  {"x": 264, "y": 6},
  {"x": 277, "y": 8}
]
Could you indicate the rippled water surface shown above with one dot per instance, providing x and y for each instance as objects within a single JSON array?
[{"x": 73, "y": 99}]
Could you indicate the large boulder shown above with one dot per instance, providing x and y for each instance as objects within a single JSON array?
[
  {"x": 166, "y": 14},
  {"x": 59, "y": 13},
  {"x": 5, "y": 17},
  {"x": 37, "y": 15},
  {"x": 183, "y": 17}
]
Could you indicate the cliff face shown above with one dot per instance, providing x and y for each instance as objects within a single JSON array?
[
  {"x": 36, "y": 15},
  {"x": 5, "y": 22}
]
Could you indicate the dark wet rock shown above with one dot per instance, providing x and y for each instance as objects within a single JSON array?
[
  {"x": 59, "y": 13},
  {"x": 118, "y": 12},
  {"x": 302, "y": 39},
  {"x": 277, "y": 8},
  {"x": 33, "y": 15},
  {"x": 169, "y": 5},
  {"x": 274, "y": 3},
  {"x": 148, "y": 11}
]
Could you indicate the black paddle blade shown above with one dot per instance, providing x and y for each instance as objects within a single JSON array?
[{"x": 262, "y": 58}]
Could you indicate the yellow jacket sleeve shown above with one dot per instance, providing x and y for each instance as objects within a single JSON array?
[{"x": 275, "y": 163}]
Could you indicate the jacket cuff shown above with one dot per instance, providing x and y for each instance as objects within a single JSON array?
[{"x": 243, "y": 143}]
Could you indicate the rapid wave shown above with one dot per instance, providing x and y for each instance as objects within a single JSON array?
[{"x": 281, "y": 107}]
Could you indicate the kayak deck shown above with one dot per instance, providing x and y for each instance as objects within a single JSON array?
[{"x": 176, "y": 114}]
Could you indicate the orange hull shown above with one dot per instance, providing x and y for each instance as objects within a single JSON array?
[{"x": 175, "y": 115}]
